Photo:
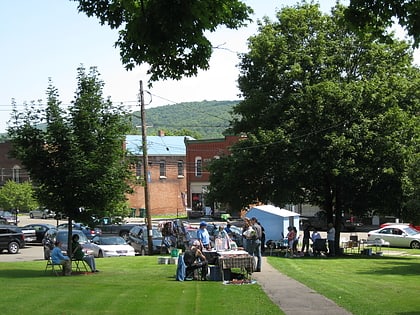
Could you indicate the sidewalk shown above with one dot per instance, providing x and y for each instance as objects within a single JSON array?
[{"x": 293, "y": 297}]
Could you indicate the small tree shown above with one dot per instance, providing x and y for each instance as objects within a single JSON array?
[
  {"x": 18, "y": 196},
  {"x": 78, "y": 160}
]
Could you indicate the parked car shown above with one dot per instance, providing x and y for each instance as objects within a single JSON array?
[
  {"x": 112, "y": 246},
  {"x": 41, "y": 214},
  {"x": 11, "y": 238},
  {"x": 9, "y": 216},
  {"x": 137, "y": 237},
  {"x": 416, "y": 227},
  {"x": 398, "y": 235},
  {"x": 190, "y": 235},
  {"x": 40, "y": 230},
  {"x": 52, "y": 235},
  {"x": 90, "y": 233},
  {"x": 3, "y": 221},
  {"x": 237, "y": 235}
]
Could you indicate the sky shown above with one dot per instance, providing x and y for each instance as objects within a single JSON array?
[{"x": 45, "y": 39}]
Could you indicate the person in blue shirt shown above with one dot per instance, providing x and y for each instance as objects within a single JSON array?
[
  {"x": 58, "y": 258},
  {"x": 203, "y": 235}
]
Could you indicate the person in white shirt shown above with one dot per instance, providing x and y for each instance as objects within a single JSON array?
[{"x": 331, "y": 239}]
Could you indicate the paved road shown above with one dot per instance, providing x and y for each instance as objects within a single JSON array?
[
  {"x": 30, "y": 252},
  {"x": 35, "y": 252}
]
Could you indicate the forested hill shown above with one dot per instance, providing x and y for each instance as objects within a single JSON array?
[
  {"x": 202, "y": 120},
  {"x": 206, "y": 119}
]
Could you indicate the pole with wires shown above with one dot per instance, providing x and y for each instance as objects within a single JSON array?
[{"x": 146, "y": 171}]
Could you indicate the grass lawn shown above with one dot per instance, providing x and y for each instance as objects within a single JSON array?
[
  {"x": 361, "y": 284},
  {"x": 125, "y": 285}
]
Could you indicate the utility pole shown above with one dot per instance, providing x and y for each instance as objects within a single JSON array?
[{"x": 146, "y": 171}]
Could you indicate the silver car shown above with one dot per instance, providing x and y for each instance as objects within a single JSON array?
[
  {"x": 398, "y": 235},
  {"x": 41, "y": 214}
]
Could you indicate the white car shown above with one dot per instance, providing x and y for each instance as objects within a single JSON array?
[
  {"x": 111, "y": 246},
  {"x": 398, "y": 235}
]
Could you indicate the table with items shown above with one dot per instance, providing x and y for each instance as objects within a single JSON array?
[
  {"x": 226, "y": 260},
  {"x": 377, "y": 243}
]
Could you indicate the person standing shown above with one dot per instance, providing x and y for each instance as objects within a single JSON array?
[
  {"x": 291, "y": 236},
  {"x": 203, "y": 235},
  {"x": 331, "y": 239},
  {"x": 246, "y": 226},
  {"x": 306, "y": 237},
  {"x": 58, "y": 258},
  {"x": 254, "y": 243}
]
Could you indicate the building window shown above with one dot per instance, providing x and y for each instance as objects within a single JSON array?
[
  {"x": 139, "y": 177},
  {"x": 162, "y": 169},
  {"x": 16, "y": 174},
  {"x": 180, "y": 169},
  {"x": 198, "y": 167}
]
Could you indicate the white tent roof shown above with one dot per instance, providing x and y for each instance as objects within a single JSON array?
[{"x": 270, "y": 209}]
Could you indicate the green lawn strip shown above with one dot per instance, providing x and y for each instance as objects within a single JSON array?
[
  {"x": 124, "y": 285},
  {"x": 362, "y": 285}
]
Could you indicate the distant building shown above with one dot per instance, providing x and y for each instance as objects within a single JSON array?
[
  {"x": 10, "y": 168},
  {"x": 167, "y": 182},
  {"x": 199, "y": 154}
]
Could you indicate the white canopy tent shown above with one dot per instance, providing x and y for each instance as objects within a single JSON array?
[{"x": 274, "y": 220}]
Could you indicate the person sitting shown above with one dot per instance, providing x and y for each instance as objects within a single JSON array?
[
  {"x": 58, "y": 258},
  {"x": 78, "y": 254},
  {"x": 194, "y": 259}
]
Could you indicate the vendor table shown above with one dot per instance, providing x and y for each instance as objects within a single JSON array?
[
  {"x": 378, "y": 243},
  {"x": 236, "y": 259}
]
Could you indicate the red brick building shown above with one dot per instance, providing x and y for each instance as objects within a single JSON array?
[
  {"x": 10, "y": 168},
  {"x": 167, "y": 182},
  {"x": 199, "y": 154}
]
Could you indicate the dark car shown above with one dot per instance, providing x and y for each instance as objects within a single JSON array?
[
  {"x": 11, "y": 238},
  {"x": 9, "y": 216},
  {"x": 40, "y": 230},
  {"x": 53, "y": 235},
  {"x": 139, "y": 240},
  {"x": 90, "y": 233}
]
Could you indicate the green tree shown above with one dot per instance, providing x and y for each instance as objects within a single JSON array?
[
  {"x": 78, "y": 160},
  {"x": 329, "y": 115},
  {"x": 374, "y": 16},
  {"x": 18, "y": 196},
  {"x": 182, "y": 132},
  {"x": 168, "y": 35}
]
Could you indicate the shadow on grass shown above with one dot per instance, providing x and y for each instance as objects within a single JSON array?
[
  {"x": 405, "y": 268},
  {"x": 30, "y": 273},
  {"x": 386, "y": 265}
]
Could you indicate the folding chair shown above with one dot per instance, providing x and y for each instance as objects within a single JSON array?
[
  {"x": 55, "y": 268},
  {"x": 80, "y": 265}
]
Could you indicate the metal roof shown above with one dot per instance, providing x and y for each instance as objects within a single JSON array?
[{"x": 157, "y": 145}]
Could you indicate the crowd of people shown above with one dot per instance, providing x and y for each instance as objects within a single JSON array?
[
  {"x": 318, "y": 245},
  {"x": 253, "y": 242}
]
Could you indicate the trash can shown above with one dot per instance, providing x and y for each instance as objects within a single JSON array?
[{"x": 142, "y": 212}]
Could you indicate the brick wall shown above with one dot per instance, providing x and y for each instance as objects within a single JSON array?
[{"x": 165, "y": 192}]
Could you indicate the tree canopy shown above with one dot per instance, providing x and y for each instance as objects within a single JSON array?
[
  {"x": 18, "y": 196},
  {"x": 373, "y": 15},
  {"x": 78, "y": 159},
  {"x": 168, "y": 35},
  {"x": 330, "y": 115}
]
